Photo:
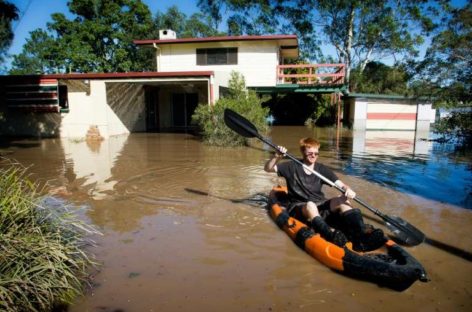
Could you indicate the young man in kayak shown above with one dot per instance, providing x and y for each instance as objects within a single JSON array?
[{"x": 306, "y": 199}]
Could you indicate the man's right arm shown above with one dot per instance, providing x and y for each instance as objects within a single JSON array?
[{"x": 271, "y": 164}]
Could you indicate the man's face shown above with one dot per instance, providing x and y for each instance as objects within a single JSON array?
[{"x": 311, "y": 154}]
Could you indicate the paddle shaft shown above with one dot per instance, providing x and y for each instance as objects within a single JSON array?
[{"x": 322, "y": 177}]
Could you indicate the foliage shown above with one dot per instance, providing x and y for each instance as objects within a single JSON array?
[
  {"x": 445, "y": 73},
  {"x": 257, "y": 17},
  {"x": 197, "y": 25},
  {"x": 42, "y": 262},
  {"x": 246, "y": 102},
  {"x": 39, "y": 55},
  {"x": 295, "y": 108},
  {"x": 360, "y": 31},
  {"x": 379, "y": 78},
  {"x": 457, "y": 125},
  {"x": 98, "y": 39},
  {"x": 8, "y": 14},
  {"x": 324, "y": 113}
]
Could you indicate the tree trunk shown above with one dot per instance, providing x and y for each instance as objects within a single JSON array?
[
  {"x": 348, "y": 47},
  {"x": 365, "y": 61}
]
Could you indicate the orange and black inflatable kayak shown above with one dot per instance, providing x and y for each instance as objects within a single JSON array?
[{"x": 389, "y": 266}]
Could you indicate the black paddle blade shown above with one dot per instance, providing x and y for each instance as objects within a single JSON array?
[
  {"x": 404, "y": 231},
  {"x": 239, "y": 124}
]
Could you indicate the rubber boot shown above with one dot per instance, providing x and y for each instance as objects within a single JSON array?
[
  {"x": 363, "y": 237},
  {"x": 336, "y": 237}
]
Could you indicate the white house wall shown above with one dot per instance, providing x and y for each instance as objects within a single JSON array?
[
  {"x": 115, "y": 108},
  {"x": 257, "y": 62},
  {"x": 426, "y": 116},
  {"x": 126, "y": 107},
  {"x": 360, "y": 113},
  {"x": 391, "y": 116},
  {"x": 84, "y": 110}
]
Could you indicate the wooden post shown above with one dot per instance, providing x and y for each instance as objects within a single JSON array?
[{"x": 338, "y": 126}]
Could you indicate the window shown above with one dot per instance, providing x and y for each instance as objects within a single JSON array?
[
  {"x": 217, "y": 56},
  {"x": 224, "y": 92}
]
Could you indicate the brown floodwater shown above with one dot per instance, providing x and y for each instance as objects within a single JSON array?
[{"x": 178, "y": 235}]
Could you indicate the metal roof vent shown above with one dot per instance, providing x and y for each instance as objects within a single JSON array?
[{"x": 167, "y": 34}]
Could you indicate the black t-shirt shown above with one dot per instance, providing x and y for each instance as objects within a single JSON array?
[{"x": 304, "y": 187}]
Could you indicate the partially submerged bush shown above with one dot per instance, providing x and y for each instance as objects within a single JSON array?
[
  {"x": 42, "y": 262},
  {"x": 247, "y": 103},
  {"x": 457, "y": 126}
]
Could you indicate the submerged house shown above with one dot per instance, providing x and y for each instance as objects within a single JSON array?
[{"x": 188, "y": 72}]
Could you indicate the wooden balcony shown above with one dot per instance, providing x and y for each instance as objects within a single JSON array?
[{"x": 311, "y": 74}]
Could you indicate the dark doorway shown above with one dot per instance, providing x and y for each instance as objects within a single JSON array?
[
  {"x": 152, "y": 109},
  {"x": 183, "y": 106}
]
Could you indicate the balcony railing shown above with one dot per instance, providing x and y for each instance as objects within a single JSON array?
[{"x": 311, "y": 74}]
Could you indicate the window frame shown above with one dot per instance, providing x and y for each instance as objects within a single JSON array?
[{"x": 217, "y": 56}]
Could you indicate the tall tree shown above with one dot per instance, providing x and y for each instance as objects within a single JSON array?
[
  {"x": 379, "y": 78},
  {"x": 198, "y": 25},
  {"x": 365, "y": 30},
  {"x": 98, "y": 39},
  {"x": 8, "y": 14},
  {"x": 445, "y": 73},
  {"x": 213, "y": 9},
  {"x": 257, "y": 17},
  {"x": 40, "y": 55},
  {"x": 360, "y": 31}
]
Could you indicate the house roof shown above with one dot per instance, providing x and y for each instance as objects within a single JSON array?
[
  {"x": 288, "y": 43},
  {"x": 292, "y": 38},
  {"x": 23, "y": 78}
]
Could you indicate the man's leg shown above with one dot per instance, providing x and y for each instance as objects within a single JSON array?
[
  {"x": 312, "y": 214},
  {"x": 362, "y": 236}
]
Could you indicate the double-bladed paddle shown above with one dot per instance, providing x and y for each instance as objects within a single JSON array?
[{"x": 404, "y": 231}]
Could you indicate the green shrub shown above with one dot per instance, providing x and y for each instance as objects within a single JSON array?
[
  {"x": 323, "y": 112},
  {"x": 210, "y": 120},
  {"x": 42, "y": 262},
  {"x": 458, "y": 125}
]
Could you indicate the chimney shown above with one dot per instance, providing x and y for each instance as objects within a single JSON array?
[{"x": 167, "y": 34}]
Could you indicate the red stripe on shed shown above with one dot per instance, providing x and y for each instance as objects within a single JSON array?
[{"x": 391, "y": 116}]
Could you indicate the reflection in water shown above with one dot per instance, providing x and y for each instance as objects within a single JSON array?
[
  {"x": 393, "y": 143},
  {"x": 93, "y": 161},
  {"x": 396, "y": 159},
  {"x": 183, "y": 230}
]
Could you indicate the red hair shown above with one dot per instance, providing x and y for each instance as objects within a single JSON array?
[{"x": 307, "y": 143}]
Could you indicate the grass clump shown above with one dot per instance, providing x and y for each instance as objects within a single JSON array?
[
  {"x": 42, "y": 261},
  {"x": 210, "y": 119}
]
